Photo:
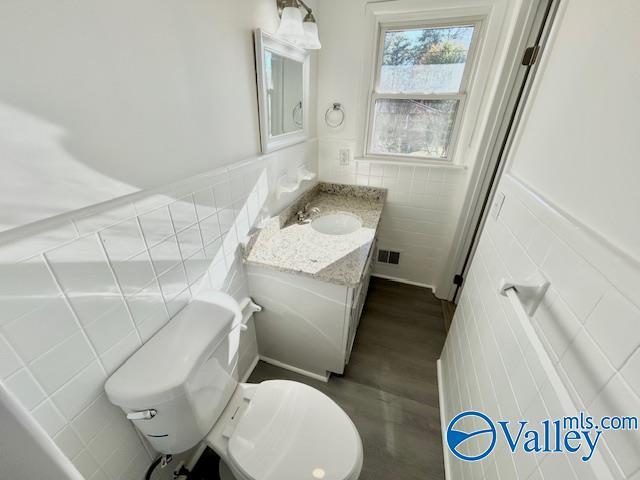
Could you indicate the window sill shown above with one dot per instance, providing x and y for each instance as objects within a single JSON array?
[{"x": 413, "y": 163}]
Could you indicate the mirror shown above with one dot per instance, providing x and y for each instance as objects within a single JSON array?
[
  {"x": 283, "y": 79},
  {"x": 284, "y": 93}
]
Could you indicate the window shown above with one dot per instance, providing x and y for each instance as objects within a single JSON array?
[{"x": 419, "y": 89}]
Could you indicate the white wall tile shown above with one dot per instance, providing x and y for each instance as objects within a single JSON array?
[
  {"x": 29, "y": 246},
  {"x": 122, "y": 240},
  {"x": 189, "y": 241},
  {"x": 80, "y": 266},
  {"x": 153, "y": 323},
  {"x": 134, "y": 273},
  {"x": 137, "y": 469},
  {"x": 156, "y": 225},
  {"x": 127, "y": 449},
  {"x": 80, "y": 391},
  {"x": 108, "y": 440},
  {"x": 110, "y": 328},
  {"x": 580, "y": 285},
  {"x": 68, "y": 442},
  {"x": 587, "y": 326},
  {"x": 183, "y": 213},
  {"x": 24, "y": 287},
  {"x": 96, "y": 274},
  {"x": 49, "y": 418},
  {"x": 619, "y": 399},
  {"x": 226, "y": 218},
  {"x": 559, "y": 324},
  {"x": 178, "y": 302},
  {"x": 58, "y": 365},
  {"x": 222, "y": 194},
  {"x": 9, "y": 363},
  {"x": 210, "y": 228},
  {"x": 173, "y": 282},
  {"x": 205, "y": 204},
  {"x": 213, "y": 250},
  {"x": 40, "y": 330},
  {"x": 557, "y": 466},
  {"x": 196, "y": 266},
  {"x": 587, "y": 366},
  {"x": 95, "y": 418},
  {"x": 95, "y": 221},
  {"x": 113, "y": 358},
  {"x": 23, "y": 386},
  {"x": 613, "y": 315},
  {"x": 165, "y": 255},
  {"x": 85, "y": 464},
  {"x": 85, "y": 276},
  {"x": 145, "y": 303},
  {"x": 631, "y": 372}
]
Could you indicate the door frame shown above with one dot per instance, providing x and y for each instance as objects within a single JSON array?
[{"x": 535, "y": 25}]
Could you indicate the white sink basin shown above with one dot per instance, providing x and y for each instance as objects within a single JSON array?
[{"x": 336, "y": 224}]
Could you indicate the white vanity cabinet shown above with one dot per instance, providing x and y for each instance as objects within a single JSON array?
[{"x": 306, "y": 325}]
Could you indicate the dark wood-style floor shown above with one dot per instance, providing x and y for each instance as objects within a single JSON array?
[{"x": 389, "y": 388}]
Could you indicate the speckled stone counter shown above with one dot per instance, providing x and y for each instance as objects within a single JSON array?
[{"x": 287, "y": 246}]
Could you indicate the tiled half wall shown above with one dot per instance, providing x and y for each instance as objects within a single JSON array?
[{"x": 84, "y": 293}]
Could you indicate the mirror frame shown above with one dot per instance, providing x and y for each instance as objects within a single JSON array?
[{"x": 265, "y": 41}]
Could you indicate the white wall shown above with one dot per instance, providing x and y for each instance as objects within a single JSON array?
[
  {"x": 574, "y": 218},
  {"x": 97, "y": 101},
  {"x": 598, "y": 149},
  {"x": 423, "y": 204},
  {"x": 106, "y": 98},
  {"x": 74, "y": 309}
]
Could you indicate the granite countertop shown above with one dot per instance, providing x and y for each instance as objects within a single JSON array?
[{"x": 285, "y": 245}]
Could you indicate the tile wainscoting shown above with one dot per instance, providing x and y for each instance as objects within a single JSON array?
[
  {"x": 589, "y": 323},
  {"x": 82, "y": 294},
  {"x": 420, "y": 215}
]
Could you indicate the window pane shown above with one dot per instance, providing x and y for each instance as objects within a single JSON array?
[
  {"x": 420, "y": 128},
  {"x": 428, "y": 60}
]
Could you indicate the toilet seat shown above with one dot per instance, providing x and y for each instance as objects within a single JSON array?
[{"x": 291, "y": 431}]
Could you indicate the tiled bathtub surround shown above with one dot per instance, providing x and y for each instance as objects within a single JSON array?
[
  {"x": 589, "y": 322},
  {"x": 94, "y": 288}
]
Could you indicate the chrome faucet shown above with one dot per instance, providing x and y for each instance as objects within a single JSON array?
[{"x": 304, "y": 215}]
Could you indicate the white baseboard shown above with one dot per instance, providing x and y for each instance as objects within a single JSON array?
[
  {"x": 403, "y": 280},
  {"x": 443, "y": 421},
  {"x": 322, "y": 378}
]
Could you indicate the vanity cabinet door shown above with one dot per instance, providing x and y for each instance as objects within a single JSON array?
[
  {"x": 358, "y": 297},
  {"x": 302, "y": 324}
]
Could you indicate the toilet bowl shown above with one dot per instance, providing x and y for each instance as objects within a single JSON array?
[
  {"x": 286, "y": 430},
  {"x": 181, "y": 388}
]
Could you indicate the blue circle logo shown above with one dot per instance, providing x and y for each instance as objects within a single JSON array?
[{"x": 457, "y": 439}]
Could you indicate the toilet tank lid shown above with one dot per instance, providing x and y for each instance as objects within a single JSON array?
[{"x": 158, "y": 370}]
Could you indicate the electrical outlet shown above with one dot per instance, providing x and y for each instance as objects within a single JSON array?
[
  {"x": 497, "y": 205},
  {"x": 344, "y": 157}
]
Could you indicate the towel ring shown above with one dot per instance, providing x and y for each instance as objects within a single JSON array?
[{"x": 334, "y": 116}]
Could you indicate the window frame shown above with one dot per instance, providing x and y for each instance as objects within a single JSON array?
[{"x": 461, "y": 95}]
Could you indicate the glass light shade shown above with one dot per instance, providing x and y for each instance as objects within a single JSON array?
[
  {"x": 290, "y": 27},
  {"x": 311, "y": 40}
]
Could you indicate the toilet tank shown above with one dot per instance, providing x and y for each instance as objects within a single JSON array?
[{"x": 183, "y": 377}]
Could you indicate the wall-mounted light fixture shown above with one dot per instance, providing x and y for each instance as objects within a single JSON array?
[{"x": 295, "y": 29}]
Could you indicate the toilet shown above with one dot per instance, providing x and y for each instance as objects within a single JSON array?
[{"x": 181, "y": 387}]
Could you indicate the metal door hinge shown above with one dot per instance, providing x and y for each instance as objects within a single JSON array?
[
  {"x": 458, "y": 280},
  {"x": 530, "y": 55}
]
